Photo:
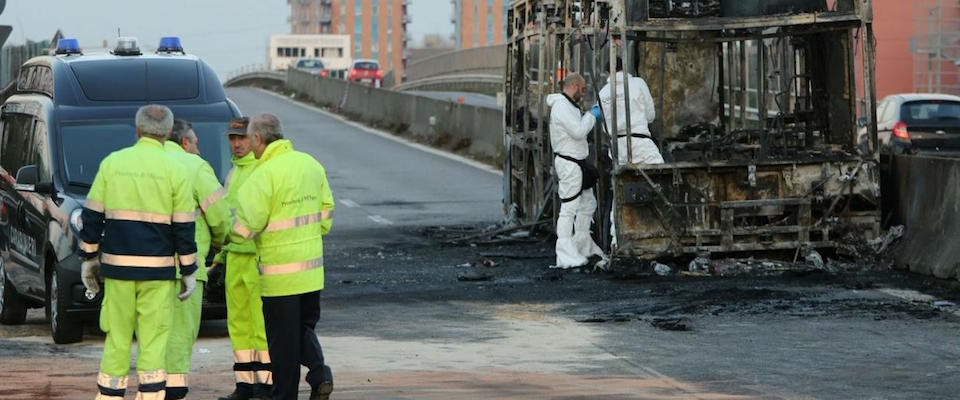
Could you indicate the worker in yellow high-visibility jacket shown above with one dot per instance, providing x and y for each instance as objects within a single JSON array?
[
  {"x": 286, "y": 206},
  {"x": 212, "y": 225},
  {"x": 140, "y": 205},
  {"x": 251, "y": 361}
]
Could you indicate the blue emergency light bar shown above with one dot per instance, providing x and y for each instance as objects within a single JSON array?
[
  {"x": 68, "y": 46},
  {"x": 170, "y": 44}
]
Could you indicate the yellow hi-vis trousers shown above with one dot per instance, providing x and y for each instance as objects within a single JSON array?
[
  {"x": 248, "y": 337},
  {"x": 144, "y": 308},
  {"x": 186, "y": 327}
]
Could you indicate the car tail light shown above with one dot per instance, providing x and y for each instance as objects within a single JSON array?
[
  {"x": 324, "y": 73},
  {"x": 900, "y": 131},
  {"x": 379, "y": 74},
  {"x": 353, "y": 73}
]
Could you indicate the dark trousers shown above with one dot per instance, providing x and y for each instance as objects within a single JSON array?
[{"x": 290, "y": 321}]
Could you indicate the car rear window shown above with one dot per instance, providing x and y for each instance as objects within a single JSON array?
[
  {"x": 366, "y": 65},
  {"x": 309, "y": 64},
  {"x": 931, "y": 112},
  {"x": 138, "y": 80}
]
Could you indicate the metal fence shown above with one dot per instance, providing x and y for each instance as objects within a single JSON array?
[{"x": 12, "y": 57}]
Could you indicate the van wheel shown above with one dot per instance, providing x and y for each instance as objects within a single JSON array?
[
  {"x": 63, "y": 329},
  {"x": 13, "y": 310}
]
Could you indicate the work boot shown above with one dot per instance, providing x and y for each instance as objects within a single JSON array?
[
  {"x": 236, "y": 395},
  {"x": 323, "y": 390}
]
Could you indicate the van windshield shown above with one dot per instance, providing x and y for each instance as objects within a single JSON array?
[{"x": 85, "y": 145}]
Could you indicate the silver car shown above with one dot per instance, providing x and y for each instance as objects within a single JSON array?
[{"x": 919, "y": 124}]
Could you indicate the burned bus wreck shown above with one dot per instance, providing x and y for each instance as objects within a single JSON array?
[{"x": 764, "y": 113}]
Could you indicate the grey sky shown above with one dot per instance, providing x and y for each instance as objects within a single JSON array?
[{"x": 228, "y": 34}]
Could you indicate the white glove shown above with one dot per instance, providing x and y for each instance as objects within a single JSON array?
[
  {"x": 188, "y": 283},
  {"x": 88, "y": 275}
]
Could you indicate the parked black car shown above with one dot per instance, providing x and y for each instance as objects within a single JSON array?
[{"x": 69, "y": 112}]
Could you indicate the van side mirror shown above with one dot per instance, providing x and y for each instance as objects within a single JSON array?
[
  {"x": 28, "y": 180},
  {"x": 28, "y": 175}
]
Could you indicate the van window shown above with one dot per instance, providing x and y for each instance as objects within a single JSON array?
[
  {"x": 36, "y": 79},
  {"x": 17, "y": 148},
  {"x": 40, "y": 150},
  {"x": 138, "y": 80}
]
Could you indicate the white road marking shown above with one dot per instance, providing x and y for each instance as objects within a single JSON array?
[
  {"x": 380, "y": 220},
  {"x": 349, "y": 203},
  {"x": 386, "y": 135}
]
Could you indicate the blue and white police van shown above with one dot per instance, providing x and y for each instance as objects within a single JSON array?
[{"x": 69, "y": 111}]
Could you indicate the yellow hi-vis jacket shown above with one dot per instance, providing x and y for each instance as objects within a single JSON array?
[
  {"x": 286, "y": 205},
  {"x": 242, "y": 168},
  {"x": 213, "y": 215},
  {"x": 141, "y": 205}
]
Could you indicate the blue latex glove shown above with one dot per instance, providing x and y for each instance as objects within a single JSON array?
[{"x": 597, "y": 113}]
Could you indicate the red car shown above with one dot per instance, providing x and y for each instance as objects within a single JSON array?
[{"x": 366, "y": 70}]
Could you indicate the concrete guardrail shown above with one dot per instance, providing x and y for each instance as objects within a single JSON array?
[
  {"x": 474, "y": 131},
  {"x": 923, "y": 194}
]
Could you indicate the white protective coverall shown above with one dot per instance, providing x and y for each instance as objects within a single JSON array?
[
  {"x": 642, "y": 112},
  {"x": 568, "y": 135}
]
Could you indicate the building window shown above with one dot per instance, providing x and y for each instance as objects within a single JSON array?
[
  {"x": 476, "y": 26},
  {"x": 316, "y": 53},
  {"x": 375, "y": 26}
]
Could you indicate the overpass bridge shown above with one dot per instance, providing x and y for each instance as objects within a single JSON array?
[
  {"x": 476, "y": 70},
  {"x": 259, "y": 78}
]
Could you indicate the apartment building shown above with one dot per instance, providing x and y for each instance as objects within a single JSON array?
[
  {"x": 479, "y": 23},
  {"x": 377, "y": 28}
]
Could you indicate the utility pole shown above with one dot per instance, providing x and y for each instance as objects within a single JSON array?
[{"x": 4, "y": 29}]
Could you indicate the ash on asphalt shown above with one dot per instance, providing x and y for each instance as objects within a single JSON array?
[{"x": 508, "y": 271}]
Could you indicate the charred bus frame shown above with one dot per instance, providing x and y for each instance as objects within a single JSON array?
[{"x": 757, "y": 117}]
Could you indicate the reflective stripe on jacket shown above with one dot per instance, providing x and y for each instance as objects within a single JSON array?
[
  {"x": 213, "y": 214},
  {"x": 286, "y": 205},
  {"x": 141, "y": 205}
]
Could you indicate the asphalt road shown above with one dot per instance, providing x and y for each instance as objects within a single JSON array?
[
  {"x": 380, "y": 184},
  {"x": 409, "y": 315}
]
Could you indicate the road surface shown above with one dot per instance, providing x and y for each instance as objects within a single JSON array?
[
  {"x": 410, "y": 315},
  {"x": 381, "y": 185}
]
